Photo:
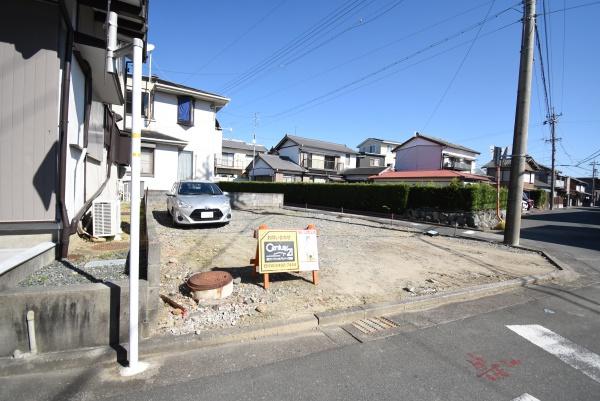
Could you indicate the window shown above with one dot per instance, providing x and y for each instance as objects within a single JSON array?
[
  {"x": 145, "y": 100},
  {"x": 185, "y": 108},
  {"x": 199, "y": 188},
  {"x": 374, "y": 162},
  {"x": 147, "y": 162},
  {"x": 227, "y": 159}
]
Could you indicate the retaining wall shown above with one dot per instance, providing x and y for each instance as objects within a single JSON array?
[
  {"x": 483, "y": 219},
  {"x": 250, "y": 200},
  {"x": 85, "y": 315}
]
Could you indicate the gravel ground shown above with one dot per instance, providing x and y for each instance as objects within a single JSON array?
[
  {"x": 361, "y": 262},
  {"x": 67, "y": 273}
]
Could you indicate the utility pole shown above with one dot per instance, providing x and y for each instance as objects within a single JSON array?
[
  {"x": 519, "y": 148},
  {"x": 552, "y": 120},
  {"x": 254, "y": 143},
  {"x": 593, "y": 164}
]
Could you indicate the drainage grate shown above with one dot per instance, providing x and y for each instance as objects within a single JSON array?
[{"x": 374, "y": 325}]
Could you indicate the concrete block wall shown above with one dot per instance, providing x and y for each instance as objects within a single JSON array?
[
  {"x": 67, "y": 317},
  {"x": 249, "y": 200},
  {"x": 151, "y": 257}
]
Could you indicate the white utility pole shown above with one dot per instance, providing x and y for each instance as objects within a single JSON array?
[
  {"x": 133, "y": 50},
  {"x": 519, "y": 149}
]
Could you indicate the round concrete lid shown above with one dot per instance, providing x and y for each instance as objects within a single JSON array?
[{"x": 208, "y": 280}]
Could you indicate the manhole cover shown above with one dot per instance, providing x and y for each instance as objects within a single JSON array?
[
  {"x": 374, "y": 325},
  {"x": 209, "y": 280}
]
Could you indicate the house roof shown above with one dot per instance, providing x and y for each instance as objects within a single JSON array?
[
  {"x": 237, "y": 144},
  {"x": 378, "y": 140},
  {"x": 429, "y": 174},
  {"x": 172, "y": 87},
  {"x": 315, "y": 144},
  {"x": 439, "y": 141},
  {"x": 363, "y": 170},
  {"x": 277, "y": 162},
  {"x": 533, "y": 165}
]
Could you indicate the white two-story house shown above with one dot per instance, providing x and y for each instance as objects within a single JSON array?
[
  {"x": 181, "y": 136},
  {"x": 323, "y": 161},
  {"x": 235, "y": 156},
  {"x": 423, "y": 152},
  {"x": 375, "y": 146}
]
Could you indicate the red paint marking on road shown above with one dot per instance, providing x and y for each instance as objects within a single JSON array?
[{"x": 493, "y": 371}]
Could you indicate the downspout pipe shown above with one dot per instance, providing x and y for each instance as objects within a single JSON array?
[{"x": 63, "y": 143}]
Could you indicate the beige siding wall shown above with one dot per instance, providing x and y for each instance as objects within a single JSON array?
[{"x": 29, "y": 78}]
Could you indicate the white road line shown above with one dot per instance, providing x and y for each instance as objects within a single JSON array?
[
  {"x": 525, "y": 397},
  {"x": 572, "y": 354},
  {"x": 469, "y": 232}
]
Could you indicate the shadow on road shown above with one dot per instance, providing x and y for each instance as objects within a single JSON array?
[
  {"x": 580, "y": 237},
  {"x": 582, "y": 216}
]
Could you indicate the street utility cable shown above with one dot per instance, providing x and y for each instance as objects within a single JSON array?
[
  {"x": 462, "y": 62},
  {"x": 345, "y": 89},
  {"x": 326, "y": 22},
  {"x": 390, "y": 65},
  {"x": 366, "y": 54}
]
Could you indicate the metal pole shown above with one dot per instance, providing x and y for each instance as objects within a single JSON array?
[
  {"x": 593, "y": 164},
  {"x": 519, "y": 149},
  {"x": 134, "y": 240}
]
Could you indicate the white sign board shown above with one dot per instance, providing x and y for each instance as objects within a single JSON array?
[{"x": 308, "y": 254}]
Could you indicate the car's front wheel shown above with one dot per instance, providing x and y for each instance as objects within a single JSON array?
[{"x": 174, "y": 219}]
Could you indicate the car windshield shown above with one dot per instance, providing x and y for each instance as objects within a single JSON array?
[{"x": 199, "y": 188}]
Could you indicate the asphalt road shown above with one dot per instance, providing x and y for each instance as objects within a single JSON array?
[{"x": 537, "y": 343}]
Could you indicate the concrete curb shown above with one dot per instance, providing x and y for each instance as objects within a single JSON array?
[{"x": 425, "y": 302}]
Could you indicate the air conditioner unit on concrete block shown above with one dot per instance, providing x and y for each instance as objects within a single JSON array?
[{"x": 105, "y": 216}]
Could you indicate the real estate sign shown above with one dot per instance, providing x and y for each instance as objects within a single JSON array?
[
  {"x": 278, "y": 251},
  {"x": 287, "y": 251}
]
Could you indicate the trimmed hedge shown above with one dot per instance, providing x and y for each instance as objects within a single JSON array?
[
  {"x": 394, "y": 198},
  {"x": 539, "y": 197},
  {"x": 376, "y": 198}
]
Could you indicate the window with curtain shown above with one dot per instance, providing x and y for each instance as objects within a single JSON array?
[
  {"x": 185, "y": 108},
  {"x": 147, "y": 162}
]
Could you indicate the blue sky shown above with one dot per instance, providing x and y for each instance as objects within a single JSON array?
[{"x": 385, "y": 69}]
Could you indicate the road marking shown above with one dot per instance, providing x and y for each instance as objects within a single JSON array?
[
  {"x": 469, "y": 232},
  {"x": 525, "y": 397},
  {"x": 572, "y": 354}
]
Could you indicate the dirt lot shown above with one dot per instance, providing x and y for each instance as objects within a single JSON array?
[{"x": 361, "y": 262}]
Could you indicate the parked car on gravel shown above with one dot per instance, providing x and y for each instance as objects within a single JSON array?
[{"x": 198, "y": 202}]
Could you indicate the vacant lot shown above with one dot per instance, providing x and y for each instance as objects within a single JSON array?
[{"x": 361, "y": 262}]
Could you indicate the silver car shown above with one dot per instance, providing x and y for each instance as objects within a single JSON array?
[{"x": 198, "y": 202}]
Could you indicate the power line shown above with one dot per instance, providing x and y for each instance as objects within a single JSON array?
[
  {"x": 326, "y": 22},
  {"x": 361, "y": 24},
  {"x": 460, "y": 65},
  {"x": 236, "y": 40},
  {"x": 368, "y": 53},
  {"x": 353, "y": 89},
  {"x": 390, "y": 65}
]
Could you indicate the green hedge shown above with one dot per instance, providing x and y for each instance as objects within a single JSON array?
[
  {"x": 367, "y": 197},
  {"x": 539, "y": 197},
  {"x": 378, "y": 198}
]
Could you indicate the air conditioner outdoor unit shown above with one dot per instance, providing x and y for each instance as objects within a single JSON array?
[{"x": 105, "y": 216}]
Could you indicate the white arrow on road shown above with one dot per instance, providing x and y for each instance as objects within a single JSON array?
[{"x": 567, "y": 351}]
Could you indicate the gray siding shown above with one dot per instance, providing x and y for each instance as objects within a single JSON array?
[{"x": 29, "y": 99}]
